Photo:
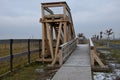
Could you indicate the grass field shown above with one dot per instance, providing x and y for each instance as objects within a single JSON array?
[
  {"x": 29, "y": 73},
  {"x": 115, "y": 41},
  {"x": 115, "y": 53},
  {"x": 17, "y": 48},
  {"x": 26, "y": 73}
]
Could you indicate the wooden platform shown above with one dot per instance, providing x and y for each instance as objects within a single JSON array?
[{"x": 77, "y": 67}]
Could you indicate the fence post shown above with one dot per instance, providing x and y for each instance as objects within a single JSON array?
[
  {"x": 11, "y": 55},
  {"x": 60, "y": 56},
  {"x": 39, "y": 47},
  {"x": 28, "y": 51}
]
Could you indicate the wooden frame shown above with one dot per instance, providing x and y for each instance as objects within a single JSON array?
[
  {"x": 94, "y": 56},
  {"x": 55, "y": 24}
]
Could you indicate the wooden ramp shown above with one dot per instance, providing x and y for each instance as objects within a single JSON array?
[{"x": 77, "y": 67}]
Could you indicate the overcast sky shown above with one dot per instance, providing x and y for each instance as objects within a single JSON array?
[{"x": 20, "y": 18}]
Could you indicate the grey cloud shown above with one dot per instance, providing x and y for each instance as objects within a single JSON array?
[{"x": 20, "y": 18}]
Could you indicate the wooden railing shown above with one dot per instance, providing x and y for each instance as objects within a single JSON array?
[
  {"x": 66, "y": 49},
  {"x": 91, "y": 43},
  {"x": 94, "y": 56}
]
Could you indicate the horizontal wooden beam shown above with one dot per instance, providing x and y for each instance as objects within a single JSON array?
[
  {"x": 43, "y": 21},
  {"x": 48, "y": 10},
  {"x": 99, "y": 69},
  {"x": 56, "y": 4},
  {"x": 45, "y": 60},
  {"x": 54, "y": 16}
]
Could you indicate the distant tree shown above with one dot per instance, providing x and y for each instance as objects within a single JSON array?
[
  {"x": 80, "y": 35},
  {"x": 97, "y": 37},
  {"x": 101, "y": 35},
  {"x": 108, "y": 33}
]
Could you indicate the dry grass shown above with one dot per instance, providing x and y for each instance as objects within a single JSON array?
[{"x": 29, "y": 73}]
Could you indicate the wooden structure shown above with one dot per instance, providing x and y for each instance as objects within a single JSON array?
[
  {"x": 95, "y": 58},
  {"x": 77, "y": 66},
  {"x": 56, "y": 24}
]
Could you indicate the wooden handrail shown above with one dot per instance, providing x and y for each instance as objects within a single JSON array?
[{"x": 91, "y": 43}]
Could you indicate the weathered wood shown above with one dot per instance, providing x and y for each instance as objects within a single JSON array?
[
  {"x": 56, "y": 4},
  {"x": 58, "y": 41},
  {"x": 59, "y": 20},
  {"x": 50, "y": 40},
  {"x": 43, "y": 40},
  {"x": 48, "y": 10},
  {"x": 45, "y": 60},
  {"x": 61, "y": 23},
  {"x": 94, "y": 56},
  {"x": 100, "y": 69},
  {"x": 65, "y": 32},
  {"x": 77, "y": 66},
  {"x": 54, "y": 16}
]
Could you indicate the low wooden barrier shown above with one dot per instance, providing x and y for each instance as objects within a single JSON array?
[
  {"x": 95, "y": 58},
  {"x": 66, "y": 49}
]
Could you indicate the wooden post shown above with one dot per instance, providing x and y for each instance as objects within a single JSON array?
[
  {"x": 57, "y": 45},
  {"x": 43, "y": 40},
  {"x": 11, "y": 55},
  {"x": 28, "y": 51},
  {"x": 65, "y": 32},
  {"x": 50, "y": 40}
]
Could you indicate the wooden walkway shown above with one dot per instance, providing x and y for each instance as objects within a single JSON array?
[{"x": 77, "y": 67}]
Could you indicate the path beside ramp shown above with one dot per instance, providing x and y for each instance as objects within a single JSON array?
[{"x": 77, "y": 67}]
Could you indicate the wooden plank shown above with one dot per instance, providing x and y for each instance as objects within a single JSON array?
[
  {"x": 100, "y": 69},
  {"x": 47, "y": 51},
  {"x": 45, "y": 60},
  {"x": 57, "y": 45},
  {"x": 64, "y": 12},
  {"x": 68, "y": 33},
  {"x": 65, "y": 32},
  {"x": 49, "y": 10},
  {"x": 50, "y": 40},
  {"x": 55, "y": 20},
  {"x": 92, "y": 58},
  {"x": 77, "y": 67},
  {"x": 43, "y": 40},
  {"x": 55, "y": 5},
  {"x": 98, "y": 60},
  {"x": 54, "y": 16},
  {"x": 51, "y": 31},
  {"x": 56, "y": 32}
]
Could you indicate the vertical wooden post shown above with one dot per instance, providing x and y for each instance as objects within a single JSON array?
[
  {"x": 28, "y": 51},
  {"x": 11, "y": 55},
  {"x": 51, "y": 32},
  {"x": 57, "y": 45},
  {"x": 56, "y": 33},
  {"x": 39, "y": 46},
  {"x": 92, "y": 58},
  {"x": 70, "y": 33},
  {"x": 43, "y": 40},
  {"x": 60, "y": 57},
  {"x": 50, "y": 40},
  {"x": 65, "y": 32}
]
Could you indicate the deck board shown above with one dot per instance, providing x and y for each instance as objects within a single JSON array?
[{"x": 77, "y": 67}]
